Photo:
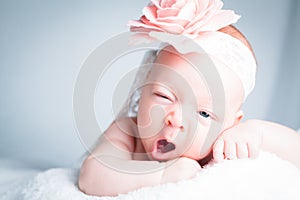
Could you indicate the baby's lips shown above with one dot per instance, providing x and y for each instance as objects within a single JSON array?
[{"x": 163, "y": 146}]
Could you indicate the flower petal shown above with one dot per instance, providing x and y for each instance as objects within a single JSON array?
[
  {"x": 171, "y": 28},
  {"x": 197, "y": 23},
  {"x": 215, "y": 3},
  {"x": 220, "y": 20},
  {"x": 179, "y": 4},
  {"x": 140, "y": 38},
  {"x": 174, "y": 20},
  {"x": 196, "y": 26},
  {"x": 144, "y": 29},
  {"x": 167, "y": 3},
  {"x": 188, "y": 11},
  {"x": 156, "y": 3},
  {"x": 202, "y": 5},
  {"x": 134, "y": 23},
  {"x": 138, "y": 25},
  {"x": 150, "y": 12},
  {"x": 167, "y": 12}
]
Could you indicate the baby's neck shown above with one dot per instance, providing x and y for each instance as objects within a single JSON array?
[{"x": 139, "y": 152}]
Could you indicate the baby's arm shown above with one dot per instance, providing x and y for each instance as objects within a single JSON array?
[
  {"x": 110, "y": 170},
  {"x": 247, "y": 138},
  {"x": 281, "y": 140}
]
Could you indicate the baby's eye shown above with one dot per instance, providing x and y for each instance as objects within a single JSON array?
[
  {"x": 204, "y": 114},
  {"x": 163, "y": 97}
]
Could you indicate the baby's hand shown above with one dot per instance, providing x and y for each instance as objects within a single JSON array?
[
  {"x": 181, "y": 169},
  {"x": 241, "y": 141}
]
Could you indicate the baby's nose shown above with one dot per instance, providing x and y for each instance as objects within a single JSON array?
[{"x": 174, "y": 119}]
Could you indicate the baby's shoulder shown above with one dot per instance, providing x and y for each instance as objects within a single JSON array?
[
  {"x": 122, "y": 133},
  {"x": 126, "y": 125}
]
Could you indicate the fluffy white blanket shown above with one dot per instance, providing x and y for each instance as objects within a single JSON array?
[{"x": 267, "y": 177}]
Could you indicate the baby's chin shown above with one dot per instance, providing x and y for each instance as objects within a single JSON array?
[{"x": 162, "y": 157}]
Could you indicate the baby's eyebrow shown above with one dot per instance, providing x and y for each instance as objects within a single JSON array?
[{"x": 163, "y": 86}]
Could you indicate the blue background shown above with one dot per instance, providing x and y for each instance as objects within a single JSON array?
[{"x": 43, "y": 44}]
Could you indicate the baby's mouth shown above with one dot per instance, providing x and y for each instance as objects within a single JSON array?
[{"x": 163, "y": 146}]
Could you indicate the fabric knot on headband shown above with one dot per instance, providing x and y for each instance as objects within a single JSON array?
[{"x": 199, "y": 21}]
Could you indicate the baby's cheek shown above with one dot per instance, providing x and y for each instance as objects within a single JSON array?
[
  {"x": 150, "y": 120},
  {"x": 200, "y": 144}
]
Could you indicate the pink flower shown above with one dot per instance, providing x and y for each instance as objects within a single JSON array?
[{"x": 187, "y": 17}]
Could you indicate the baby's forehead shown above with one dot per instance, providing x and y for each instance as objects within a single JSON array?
[
  {"x": 202, "y": 74},
  {"x": 182, "y": 79},
  {"x": 193, "y": 67},
  {"x": 201, "y": 64}
]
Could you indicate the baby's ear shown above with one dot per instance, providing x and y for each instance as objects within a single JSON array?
[{"x": 238, "y": 117}]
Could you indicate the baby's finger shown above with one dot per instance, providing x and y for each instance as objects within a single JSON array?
[
  {"x": 230, "y": 150},
  {"x": 253, "y": 150},
  {"x": 218, "y": 150},
  {"x": 242, "y": 150}
]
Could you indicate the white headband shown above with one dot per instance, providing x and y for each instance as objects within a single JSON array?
[{"x": 227, "y": 49}]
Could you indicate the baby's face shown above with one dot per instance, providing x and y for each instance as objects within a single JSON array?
[{"x": 177, "y": 112}]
